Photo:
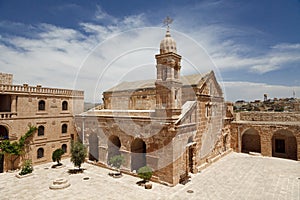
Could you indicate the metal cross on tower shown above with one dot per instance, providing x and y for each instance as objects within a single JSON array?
[{"x": 168, "y": 21}]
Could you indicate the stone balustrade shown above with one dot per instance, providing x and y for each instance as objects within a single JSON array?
[
  {"x": 7, "y": 115},
  {"x": 268, "y": 116},
  {"x": 39, "y": 90}
]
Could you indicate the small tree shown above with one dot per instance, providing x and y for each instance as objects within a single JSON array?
[
  {"x": 78, "y": 153},
  {"x": 116, "y": 161},
  {"x": 16, "y": 149},
  {"x": 26, "y": 168},
  {"x": 145, "y": 173},
  {"x": 56, "y": 155}
]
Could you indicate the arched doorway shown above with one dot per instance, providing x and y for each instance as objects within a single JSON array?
[
  {"x": 3, "y": 136},
  {"x": 93, "y": 147},
  {"x": 138, "y": 154},
  {"x": 114, "y": 145},
  {"x": 190, "y": 154},
  {"x": 1, "y": 163},
  {"x": 251, "y": 141},
  {"x": 284, "y": 145},
  {"x": 3, "y": 133}
]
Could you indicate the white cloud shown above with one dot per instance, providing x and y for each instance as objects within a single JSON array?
[{"x": 98, "y": 56}]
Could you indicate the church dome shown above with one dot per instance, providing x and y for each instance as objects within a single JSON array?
[{"x": 168, "y": 44}]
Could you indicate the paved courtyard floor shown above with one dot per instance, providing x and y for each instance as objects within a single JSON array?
[{"x": 236, "y": 176}]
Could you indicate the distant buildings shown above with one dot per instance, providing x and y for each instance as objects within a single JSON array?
[{"x": 270, "y": 105}]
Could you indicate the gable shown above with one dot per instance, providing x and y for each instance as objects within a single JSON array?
[{"x": 211, "y": 86}]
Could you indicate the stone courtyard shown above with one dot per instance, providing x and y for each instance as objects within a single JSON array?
[{"x": 235, "y": 176}]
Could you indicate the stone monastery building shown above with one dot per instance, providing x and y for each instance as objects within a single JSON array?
[
  {"x": 174, "y": 124},
  {"x": 51, "y": 110}
]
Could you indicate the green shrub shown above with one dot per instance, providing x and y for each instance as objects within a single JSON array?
[
  {"x": 116, "y": 161},
  {"x": 145, "y": 173},
  {"x": 26, "y": 168},
  {"x": 78, "y": 153},
  {"x": 56, "y": 155}
]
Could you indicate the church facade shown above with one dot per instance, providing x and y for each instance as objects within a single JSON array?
[{"x": 174, "y": 124}]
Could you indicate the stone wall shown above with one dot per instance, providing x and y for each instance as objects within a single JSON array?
[
  {"x": 24, "y": 102},
  {"x": 6, "y": 79},
  {"x": 140, "y": 99},
  {"x": 268, "y": 116},
  {"x": 267, "y": 134}
]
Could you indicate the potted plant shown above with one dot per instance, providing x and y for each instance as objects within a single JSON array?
[
  {"x": 116, "y": 162},
  {"x": 26, "y": 170},
  {"x": 145, "y": 173},
  {"x": 78, "y": 154},
  {"x": 56, "y": 157}
]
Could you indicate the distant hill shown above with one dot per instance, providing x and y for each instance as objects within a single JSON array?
[{"x": 88, "y": 105}]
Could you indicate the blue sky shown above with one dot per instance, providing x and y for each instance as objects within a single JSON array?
[{"x": 253, "y": 46}]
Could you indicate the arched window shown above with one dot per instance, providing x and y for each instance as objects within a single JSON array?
[
  {"x": 64, "y": 128},
  {"x": 64, "y": 105},
  {"x": 3, "y": 133},
  {"x": 40, "y": 153},
  {"x": 64, "y": 148},
  {"x": 41, "y": 130},
  {"x": 42, "y": 105}
]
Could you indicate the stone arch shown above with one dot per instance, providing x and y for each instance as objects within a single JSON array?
[
  {"x": 64, "y": 147},
  {"x": 251, "y": 141},
  {"x": 40, "y": 153},
  {"x": 284, "y": 144},
  {"x": 93, "y": 147},
  {"x": 138, "y": 154},
  {"x": 42, "y": 105},
  {"x": 114, "y": 145},
  {"x": 64, "y": 105},
  {"x": 4, "y": 133}
]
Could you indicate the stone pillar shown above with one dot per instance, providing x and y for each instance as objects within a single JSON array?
[
  {"x": 13, "y": 104},
  {"x": 127, "y": 157},
  {"x": 152, "y": 161},
  {"x": 239, "y": 140},
  {"x": 102, "y": 156},
  {"x": 266, "y": 144}
]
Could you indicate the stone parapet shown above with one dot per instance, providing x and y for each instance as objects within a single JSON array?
[
  {"x": 119, "y": 113},
  {"x": 39, "y": 90},
  {"x": 267, "y": 116}
]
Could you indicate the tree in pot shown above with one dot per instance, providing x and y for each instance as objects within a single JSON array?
[
  {"x": 78, "y": 155},
  {"x": 145, "y": 173},
  {"x": 56, "y": 157},
  {"x": 116, "y": 162},
  {"x": 26, "y": 168}
]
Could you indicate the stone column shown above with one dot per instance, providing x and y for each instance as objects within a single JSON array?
[
  {"x": 127, "y": 157},
  {"x": 102, "y": 156},
  {"x": 266, "y": 144},
  {"x": 152, "y": 161},
  {"x": 13, "y": 104},
  {"x": 239, "y": 139}
]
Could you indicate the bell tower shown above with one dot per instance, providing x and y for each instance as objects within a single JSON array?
[{"x": 168, "y": 85}]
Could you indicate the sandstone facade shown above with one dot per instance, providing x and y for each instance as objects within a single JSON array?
[
  {"x": 51, "y": 110},
  {"x": 174, "y": 123},
  {"x": 269, "y": 133}
]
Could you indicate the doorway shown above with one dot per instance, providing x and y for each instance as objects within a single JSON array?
[
  {"x": 1, "y": 163},
  {"x": 138, "y": 154}
]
